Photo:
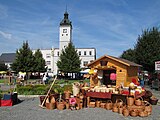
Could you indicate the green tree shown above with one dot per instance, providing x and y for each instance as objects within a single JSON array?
[
  {"x": 39, "y": 62},
  {"x": 69, "y": 61},
  {"x": 147, "y": 49},
  {"x": 24, "y": 60},
  {"x": 129, "y": 55},
  {"x": 3, "y": 67}
]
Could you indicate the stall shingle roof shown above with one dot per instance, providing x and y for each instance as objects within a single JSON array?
[{"x": 120, "y": 60}]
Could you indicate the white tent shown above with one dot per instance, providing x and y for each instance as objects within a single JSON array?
[{"x": 85, "y": 71}]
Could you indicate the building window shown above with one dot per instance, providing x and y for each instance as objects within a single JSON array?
[
  {"x": 85, "y": 52},
  {"x": 85, "y": 63},
  {"x": 57, "y": 53},
  {"x": 62, "y": 34},
  {"x": 48, "y": 55},
  {"x": 90, "y": 52},
  {"x": 66, "y": 34},
  {"x": 48, "y": 62},
  {"x": 79, "y": 52}
]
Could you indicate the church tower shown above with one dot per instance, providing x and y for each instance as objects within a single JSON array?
[{"x": 65, "y": 32}]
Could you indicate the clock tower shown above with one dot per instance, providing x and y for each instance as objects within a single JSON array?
[{"x": 65, "y": 32}]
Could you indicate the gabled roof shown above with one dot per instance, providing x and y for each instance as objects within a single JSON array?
[
  {"x": 7, "y": 57},
  {"x": 120, "y": 60}
]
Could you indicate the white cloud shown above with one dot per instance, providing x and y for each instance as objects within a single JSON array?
[{"x": 5, "y": 35}]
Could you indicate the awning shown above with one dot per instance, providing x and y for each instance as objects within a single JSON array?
[{"x": 3, "y": 72}]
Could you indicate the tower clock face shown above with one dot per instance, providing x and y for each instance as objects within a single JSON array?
[{"x": 64, "y": 30}]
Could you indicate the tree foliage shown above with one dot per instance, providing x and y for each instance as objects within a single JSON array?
[
  {"x": 24, "y": 61},
  {"x": 129, "y": 55},
  {"x": 39, "y": 62},
  {"x": 27, "y": 62},
  {"x": 147, "y": 49},
  {"x": 69, "y": 60}
]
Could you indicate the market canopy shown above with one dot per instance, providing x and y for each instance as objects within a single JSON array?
[{"x": 3, "y": 72}]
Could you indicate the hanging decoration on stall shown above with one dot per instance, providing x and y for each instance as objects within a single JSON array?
[{"x": 113, "y": 76}]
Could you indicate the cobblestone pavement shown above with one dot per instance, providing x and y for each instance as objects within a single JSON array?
[{"x": 29, "y": 109}]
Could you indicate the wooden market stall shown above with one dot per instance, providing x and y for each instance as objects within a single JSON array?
[{"x": 125, "y": 71}]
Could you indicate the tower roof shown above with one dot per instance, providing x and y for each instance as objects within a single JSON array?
[{"x": 65, "y": 20}]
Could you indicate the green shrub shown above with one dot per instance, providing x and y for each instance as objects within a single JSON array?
[
  {"x": 26, "y": 90},
  {"x": 39, "y": 90}
]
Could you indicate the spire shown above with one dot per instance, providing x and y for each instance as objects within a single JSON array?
[
  {"x": 66, "y": 20},
  {"x": 66, "y": 8}
]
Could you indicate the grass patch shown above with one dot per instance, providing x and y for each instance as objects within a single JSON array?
[{"x": 3, "y": 80}]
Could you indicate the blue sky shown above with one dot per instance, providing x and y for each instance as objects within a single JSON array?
[{"x": 111, "y": 26}]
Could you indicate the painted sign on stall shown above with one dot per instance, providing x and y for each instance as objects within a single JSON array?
[{"x": 157, "y": 65}]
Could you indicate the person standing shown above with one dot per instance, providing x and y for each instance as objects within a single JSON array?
[{"x": 44, "y": 78}]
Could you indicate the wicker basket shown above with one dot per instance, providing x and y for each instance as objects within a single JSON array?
[
  {"x": 148, "y": 107},
  {"x": 134, "y": 113},
  {"x": 109, "y": 105},
  {"x": 50, "y": 106},
  {"x": 92, "y": 103},
  {"x": 115, "y": 109},
  {"x": 137, "y": 108},
  {"x": 139, "y": 101},
  {"x": 120, "y": 110},
  {"x": 98, "y": 103},
  {"x": 143, "y": 114},
  {"x": 60, "y": 104},
  {"x": 119, "y": 102},
  {"x": 103, "y": 105},
  {"x": 125, "y": 112},
  {"x": 67, "y": 94},
  {"x": 52, "y": 100},
  {"x": 130, "y": 101}
]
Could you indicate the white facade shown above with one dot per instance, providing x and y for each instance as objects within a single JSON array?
[
  {"x": 51, "y": 56},
  {"x": 65, "y": 36}
]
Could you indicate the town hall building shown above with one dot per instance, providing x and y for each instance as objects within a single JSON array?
[{"x": 51, "y": 56}]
